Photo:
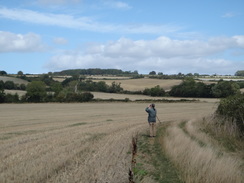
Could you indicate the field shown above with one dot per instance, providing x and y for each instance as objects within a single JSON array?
[
  {"x": 87, "y": 142},
  {"x": 14, "y": 79},
  {"x": 141, "y": 84}
]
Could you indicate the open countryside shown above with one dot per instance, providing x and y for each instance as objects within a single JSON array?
[
  {"x": 91, "y": 141},
  {"x": 77, "y": 142}
]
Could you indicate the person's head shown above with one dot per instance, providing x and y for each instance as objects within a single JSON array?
[{"x": 153, "y": 105}]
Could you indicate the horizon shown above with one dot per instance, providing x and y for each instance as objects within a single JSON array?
[
  {"x": 44, "y": 36},
  {"x": 157, "y": 73}
]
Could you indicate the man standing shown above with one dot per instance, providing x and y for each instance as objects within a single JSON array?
[{"x": 152, "y": 113}]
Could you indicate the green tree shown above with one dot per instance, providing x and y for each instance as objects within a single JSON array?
[
  {"x": 239, "y": 73},
  {"x": 56, "y": 88},
  {"x": 232, "y": 108},
  {"x": 152, "y": 73},
  {"x": 2, "y": 94},
  {"x": 20, "y": 73},
  {"x": 9, "y": 85},
  {"x": 2, "y": 73},
  {"x": 115, "y": 87},
  {"x": 225, "y": 88},
  {"x": 36, "y": 91},
  {"x": 9, "y": 98}
]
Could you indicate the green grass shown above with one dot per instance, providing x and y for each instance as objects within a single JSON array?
[{"x": 152, "y": 161}]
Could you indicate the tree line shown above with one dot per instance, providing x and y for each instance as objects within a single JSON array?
[{"x": 95, "y": 71}]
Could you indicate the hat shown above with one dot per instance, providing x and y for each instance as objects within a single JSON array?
[{"x": 153, "y": 105}]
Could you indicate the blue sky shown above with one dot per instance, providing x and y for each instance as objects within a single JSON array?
[{"x": 169, "y": 36}]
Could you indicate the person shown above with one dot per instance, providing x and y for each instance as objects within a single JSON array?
[{"x": 152, "y": 113}]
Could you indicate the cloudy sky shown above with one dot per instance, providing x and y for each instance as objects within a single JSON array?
[{"x": 169, "y": 36}]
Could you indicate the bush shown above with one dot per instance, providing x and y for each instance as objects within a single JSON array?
[
  {"x": 74, "y": 97},
  {"x": 9, "y": 98},
  {"x": 225, "y": 89},
  {"x": 232, "y": 108},
  {"x": 36, "y": 91},
  {"x": 155, "y": 91}
]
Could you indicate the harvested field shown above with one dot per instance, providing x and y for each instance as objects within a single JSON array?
[
  {"x": 85, "y": 142},
  {"x": 15, "y": 80},
  {"x": 101, "y": 95},
  {"x": 141, "y": 84}
]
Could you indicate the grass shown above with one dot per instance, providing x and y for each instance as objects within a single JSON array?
[
  {"x": 153, "y": 162},
  {"x": 198, "y": 163},
  {"x": 226, "y": 134}
]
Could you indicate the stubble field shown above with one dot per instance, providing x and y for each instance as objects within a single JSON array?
[{"x": 88, "y": 142}]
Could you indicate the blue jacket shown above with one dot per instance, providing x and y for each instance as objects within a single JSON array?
[{"x": 152, "y": 113}]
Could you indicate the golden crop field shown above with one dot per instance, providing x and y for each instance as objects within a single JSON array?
[
  {"x": 141, "y": 84},
  {"x": 14, "y": 79},
  {"x": 78, "y": 142}
]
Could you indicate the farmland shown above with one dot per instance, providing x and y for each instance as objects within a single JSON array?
[
  {"x": 91, "y": 142},
  {"x": 84, "y": 142}
]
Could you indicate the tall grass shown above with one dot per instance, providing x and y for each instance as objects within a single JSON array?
[{"x": 198, "y": 163}]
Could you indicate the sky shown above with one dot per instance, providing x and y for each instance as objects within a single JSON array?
[{"x": 168, "y": 36}]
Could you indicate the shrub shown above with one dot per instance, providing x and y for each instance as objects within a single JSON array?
[
  {"x": 225, "y": 89},
  {"x": 232, "y": 108},
  {"x": 155, "y": 91},
  {"x": 36, "y": 91}
]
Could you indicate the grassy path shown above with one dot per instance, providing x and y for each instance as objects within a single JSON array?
[{"x": 153, "y": 166}]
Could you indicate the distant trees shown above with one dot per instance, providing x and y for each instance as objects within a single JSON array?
[
  {"x": 2, "y": 94},
  {"x": 225, "y": 88},
  {"x": 152, "y": 73},
  {"x": 3, "y": 73},
  {"x": 20, "y": 73},
  {"x": 36, "y": 91},
  {"x": 239, "y": 73},
  {"x": 95, "y": 71},
  {"x": 190, "y": 88},
  {"x": 156, "y": 91},
  {"x": 10, "y": 85}
]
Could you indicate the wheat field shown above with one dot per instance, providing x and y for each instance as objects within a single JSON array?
[
  {"x": 141, "y": 84},
  {"x": 87, "y": 142}
]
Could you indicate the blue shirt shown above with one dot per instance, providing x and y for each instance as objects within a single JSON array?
[{"x": 152, "y": 113}]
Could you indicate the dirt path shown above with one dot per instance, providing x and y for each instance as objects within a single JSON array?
[{"x": 87, "y": 142}]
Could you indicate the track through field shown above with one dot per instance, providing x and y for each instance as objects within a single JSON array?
[{"x": 88, "y": 142}]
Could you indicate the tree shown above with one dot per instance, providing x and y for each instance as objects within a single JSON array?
[
  {"x": 225, "y": 88},
  {"x": 36, "y": 91},
  {"x": 2, "y": 73},
  {"x": 152, "y": 73},
  {"x": 20, "y": 73},
  {"x": 239, "y": 73},
  {"x": 56, "y": 88},
  {"x": 115, "y": 88},
  {"x": 9, "y": 85},
  {"x": 232, "y": 108},
  {"x": 155, "y": 91},
  {"x": 2, "y": 94}
]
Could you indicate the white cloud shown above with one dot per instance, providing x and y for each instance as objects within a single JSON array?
[
  {"x": 116, "y": 4},
  {"x": 239, "y": 40},
  {"x": 10, "y": 42},
  {"x": 162, "y": 54},
  {"x": 82, "y": 23},
  {"x": 60, "y": 40}
]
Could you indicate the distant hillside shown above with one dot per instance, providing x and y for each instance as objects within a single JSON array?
[{"x": 15, "y": 80}]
